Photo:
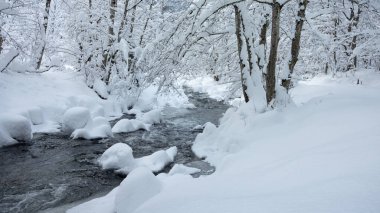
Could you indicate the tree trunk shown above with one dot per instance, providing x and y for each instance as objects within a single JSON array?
[
  {"x": 108, "y": 56},
  {"x": 239, "y": 37},
  {"x": 295, "y": 48},
  {"x": 262, "y": 50},
  {"x": 45, "y": 25},
  {"x": 271, "y": 68},
  {"x": 1, "y": 42}
]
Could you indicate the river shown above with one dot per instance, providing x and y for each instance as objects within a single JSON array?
[{"x": 55, "y": 170}]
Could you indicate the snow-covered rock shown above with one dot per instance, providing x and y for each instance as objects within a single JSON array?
[
  {"x": 99, "y": 127},
  {"x": 36, "y": 115},
  {"x": 151, "y": 117},
  {"x": 75, "y": 118},
  {"x": 183, "y": 170},
  {"x": 139, "y": 186},
  {"x": 158, "y": 160},
  {"x": 126, "y": 125},
  {"x": 14, "y": 128},
  {"x": 118, "y": 156}
]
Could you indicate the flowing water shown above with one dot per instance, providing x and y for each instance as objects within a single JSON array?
[{"x": 54, "y": 170}]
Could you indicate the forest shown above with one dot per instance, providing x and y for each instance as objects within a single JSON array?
[{"x": 189, "y": 106}]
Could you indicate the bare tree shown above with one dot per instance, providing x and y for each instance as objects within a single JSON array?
[
  {"x": 295, "y": 47},
  {"x": 41, "y": 52}
]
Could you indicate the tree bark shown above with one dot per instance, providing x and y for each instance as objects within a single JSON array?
[
  {"x": 239, "y": 37},
  {"x": 296, "y": 40},
  {"x": 45, "y": 25},
  {"x": 271, "y": 68},
  {"x": 108, "y": 56}
]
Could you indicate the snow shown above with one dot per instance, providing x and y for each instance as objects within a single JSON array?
[
  {"x": 183, "y": 170},
  {"x": 75, "y": 118},
  {"x": 120, "y": 157},
  {"x": 14, "y": 128},
  {"x": 103, "y": 204},
  {"x": 129, "y": 125},
  {"x": 46, "y": 97},
  {"x": 101, "y": 88},
  {"x": 319, "y": 155},
  {"x": 158, "y": 160},
  {"x": 151, "y": 117},
  {"x": 137, "y": 188},
  {"x": 6, "y": 59},
  {"x": 207, "y": 84},
  {"x": 99, "y": 127},
  {"x": 36, "y": 115}
]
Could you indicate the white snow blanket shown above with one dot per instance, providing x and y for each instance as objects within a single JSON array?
[{"x": 140, "y": 186}]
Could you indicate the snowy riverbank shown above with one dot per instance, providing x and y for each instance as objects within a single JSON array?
[
  {"x": 41, "y": 102},
  {"x": 318, "y": 156}
]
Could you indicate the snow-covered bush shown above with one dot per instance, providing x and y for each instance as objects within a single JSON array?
[{"x": 14, "y": 128}]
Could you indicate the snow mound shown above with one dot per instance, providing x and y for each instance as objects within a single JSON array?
[
  {"x": 151, "y": 117},
  {"x": 158, "y": 160},
  {"x": 36, "y": 115},
  {"x": 139, "y": 186},
  {"x": 75, "y": 118},
  {"x": 98, "y": 127},
  {"x": 120, "y": 157},
  {"x": 183, "y": 170},
  {"x": 98, "y": 111},
  {"x": 14, "y": 128},
  {"x": 126, "y": 125},
  {"x": 117, "y": 156}
]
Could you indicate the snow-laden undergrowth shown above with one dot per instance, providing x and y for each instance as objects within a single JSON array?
[{"x": 321, "y": 155}]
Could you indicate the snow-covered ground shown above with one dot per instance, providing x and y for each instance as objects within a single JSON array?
[
  {"x": 321, "y": 155},
  {"x": 55, "y": 101}
]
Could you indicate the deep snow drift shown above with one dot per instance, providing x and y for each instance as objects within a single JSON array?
[{"x": 319, "y": 156}]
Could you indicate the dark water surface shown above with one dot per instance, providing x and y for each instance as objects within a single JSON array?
[{"x": 54, "y": 170}]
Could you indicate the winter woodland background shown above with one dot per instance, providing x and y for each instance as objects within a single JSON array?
[{"x": 302, "y": 78}]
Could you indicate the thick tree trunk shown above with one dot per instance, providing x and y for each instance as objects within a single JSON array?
[
  {"x": 239, "y": 37},
  {"x": 296, "y": 40},
  {"x": 45, "y": 25},
  {"x": 271, "y": 68}
]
